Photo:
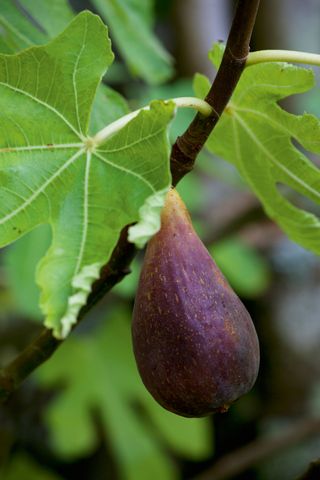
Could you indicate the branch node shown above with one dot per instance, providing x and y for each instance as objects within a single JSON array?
[{"x": 239, "y": 60}]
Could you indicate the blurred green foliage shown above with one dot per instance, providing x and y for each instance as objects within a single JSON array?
[
  {"x": 22, "y": 467},
  {"x": 97, "y": 373},
  {"x": 247, "y": 272},
  {"x": 130, "y": 25},
  {"x": 20, "y": 262}
]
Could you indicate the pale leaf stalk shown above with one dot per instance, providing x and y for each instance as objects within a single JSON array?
[
  {"x": 186, "y": 102},
  {"x": 289, "y": 56}
]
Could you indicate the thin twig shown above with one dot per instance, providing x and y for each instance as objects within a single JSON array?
[
  {"x": 255, "y": 452},
  {"x": 187, "y": 147},
  {"x": 183, "y": 155}
]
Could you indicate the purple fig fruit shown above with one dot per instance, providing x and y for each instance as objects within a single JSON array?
[{"x": 195, "y": 345}]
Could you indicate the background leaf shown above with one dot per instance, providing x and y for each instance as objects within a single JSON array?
[
  {"x": 21, "y": 466},
  {"x": 141, "y": 50},
  {"x": 104, "y": 362},
  {"x": 50, "y": 16},
  {"x": 20, "y": 261},
  {"x": 257, "y": 135},
  {"x": 26, "y": 23}
]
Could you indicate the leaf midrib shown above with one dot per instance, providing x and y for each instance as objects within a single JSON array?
[
  {"x": 273, "y": 159},
  {"x": 270, "y": 119},
  {"x": 44, "y": 104},
  {"x": 126, "y": 170},
  {"x": 48, "y": 146},
  {"x": 42, "y": 189},
  {"x": 85, "y": 213}
]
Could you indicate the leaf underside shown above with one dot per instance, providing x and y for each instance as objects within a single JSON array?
[
  {"x": 48, "y": 173},
  {"x": 257, "y": 135}
]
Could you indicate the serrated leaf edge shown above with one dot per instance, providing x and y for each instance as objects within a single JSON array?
[
  {"x": 150, "y": 221},
  {"x": 81, "y": 283}
]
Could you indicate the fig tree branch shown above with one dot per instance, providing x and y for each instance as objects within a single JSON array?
[
  {"x": 255, "y": 452},
  {"x": 183, "y": 155}
]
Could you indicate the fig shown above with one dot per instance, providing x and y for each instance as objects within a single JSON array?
[{"x": 194, "y": 342}]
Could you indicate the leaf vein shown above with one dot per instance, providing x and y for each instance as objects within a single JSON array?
[
  {"x": 132, "y": 144},
  {"x": 85, "y": 213},
  {"x": 47, "y": 146},
  {"x": 40, "y": 190},
  {"x": 125, "y": 170},
  {"x": 74, "y": 74},
  {"x": 46, "y": 105},
  {"x": 274, "y": 160}
]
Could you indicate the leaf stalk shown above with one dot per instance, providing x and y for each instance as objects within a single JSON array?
[
  {"x": 289, "y": 56},
  {"x": 185, "y": 102}
]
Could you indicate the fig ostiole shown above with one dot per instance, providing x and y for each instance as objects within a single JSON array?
[{"x": 194, "y": 342}]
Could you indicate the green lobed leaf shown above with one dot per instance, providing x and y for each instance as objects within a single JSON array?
[
  {"x": 22, "y": 257},
  {"x": 99, "y": 372},
  {"x": 130, "y": 27},
  {"x": 51, "y": 173},
  {"x": 257, "y": 135},
  {"x": 51, "y": 16},
  {"x": 29, "y": 22}
]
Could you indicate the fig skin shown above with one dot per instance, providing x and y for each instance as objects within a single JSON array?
[{"x": 194, "y": 342}]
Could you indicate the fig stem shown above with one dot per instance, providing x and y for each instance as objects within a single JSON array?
[
  {"x": 186, "y": 102},
  {"x": 290, "y": 56}
]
